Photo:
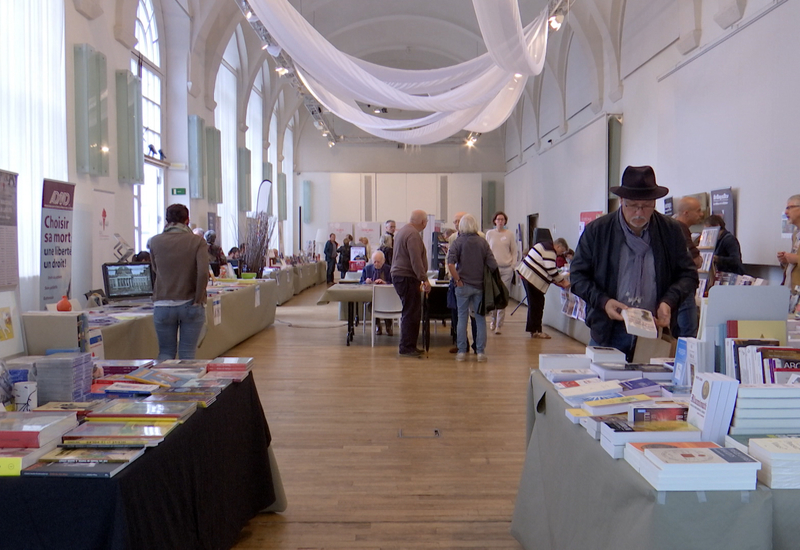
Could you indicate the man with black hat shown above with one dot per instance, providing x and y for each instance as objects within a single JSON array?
[{"x": 635, "y": 257}]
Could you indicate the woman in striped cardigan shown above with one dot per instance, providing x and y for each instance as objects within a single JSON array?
[{"x": 538, "y": 269}]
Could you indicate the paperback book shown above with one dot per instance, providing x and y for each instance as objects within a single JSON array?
[
  {"x": 640, "y": 322},
  {"x": 75, "y": 469},
  {"x": 33, "y": 429},
  {"x": 14, "y": 460},
  {"x": 634, "y": 451},
  {"x": 142, "y": 411}
]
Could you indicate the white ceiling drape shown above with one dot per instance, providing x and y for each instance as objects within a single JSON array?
[{"x": 477, "y": 95}]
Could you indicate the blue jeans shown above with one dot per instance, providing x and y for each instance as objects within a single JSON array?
[
  {"x": 467, "y": 296},
  {"x": 687, "y": 318},
  {"x": 189, "y": 318}
]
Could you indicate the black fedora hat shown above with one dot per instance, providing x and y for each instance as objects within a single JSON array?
[{"x": 639, "y": 183}]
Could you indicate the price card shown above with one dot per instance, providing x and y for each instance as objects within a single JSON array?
[
  {"x": 217, "y": 311},
  {"x": 258, "y": 295}
]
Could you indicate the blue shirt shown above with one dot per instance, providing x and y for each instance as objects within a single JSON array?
[{"x": 371, "y": 272}]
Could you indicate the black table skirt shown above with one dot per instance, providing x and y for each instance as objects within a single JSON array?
[{"x": 196, "y": 490}]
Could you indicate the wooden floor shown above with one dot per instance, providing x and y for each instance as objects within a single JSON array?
[{"x": 336, "y": 412}]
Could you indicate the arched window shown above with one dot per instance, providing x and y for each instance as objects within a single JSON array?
[
  {"x": 225, "y": 119},
  {"x": 148, "y": 198},
  {"x": 254, "y": 139}
]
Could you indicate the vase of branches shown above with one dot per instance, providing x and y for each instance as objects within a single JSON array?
[{"x": 259, "y": 233}]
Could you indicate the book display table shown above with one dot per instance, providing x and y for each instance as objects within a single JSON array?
[
  {"x": 135, "y": 338},
  {"x": 572, "y": 494},
  {"x": 305, "y": 276},
  {"x": 284, "y": 277},
  {"x": 197, "y": 489}
]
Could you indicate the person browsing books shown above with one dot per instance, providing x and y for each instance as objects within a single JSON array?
[
  {"x": 634, "y": 257},
  {"x": 689, "y": 213},
  {"x": 378, "y": 272},
  {"x": 727, "y": 251},
  {"x": 180, "y": 263},
  {"x": 788, "y": 260}
]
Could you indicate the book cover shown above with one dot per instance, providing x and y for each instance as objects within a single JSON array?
[
  {"x": 121, "y": 430},
  {"x": 132, "y": 387},
  {"x": 712, "y": 457},
  {"x": 147, "y": 410},
  {"x": 75, "y": 469},
  {"x": 62, "y": 454},
  {"x": 577, "y": 383},
  {"x": 658, "y": 412},
  {"x": 620, "y": 431},
  {"x": 640, "y": 385},
  {"x": 29, "y": 429},
  {"x": 14, "y": 460},
  {"x": 614, "y": 404},
  {"x": 775, "y": 330},
  {"x": 640, "y": 322},
  {"x": 603, "y": 354},
  {"x": 230, "y": 363},
  {"x": 708, "y": 238}
]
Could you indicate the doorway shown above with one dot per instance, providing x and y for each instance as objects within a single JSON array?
[{"x": 533, "y": 223}]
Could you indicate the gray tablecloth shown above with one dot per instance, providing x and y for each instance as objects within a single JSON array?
[{"x": 572, "y": 495}]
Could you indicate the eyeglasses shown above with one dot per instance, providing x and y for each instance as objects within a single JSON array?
[
  {"x": 637, "y": 206},
  {"x": 790, "y": 206}
]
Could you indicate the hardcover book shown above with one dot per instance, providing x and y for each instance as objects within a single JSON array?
[
  {"x": 75, "y": 469},
  {"x": 30, "y": 429},
  {"x": 640, "y": 322}
]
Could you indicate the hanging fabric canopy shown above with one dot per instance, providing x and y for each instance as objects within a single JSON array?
[{"x": 477, "y": 95}]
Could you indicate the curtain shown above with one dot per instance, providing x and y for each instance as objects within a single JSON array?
[
  {"x": 477, "y": 95},
  {"x": 33, "y": 119}
]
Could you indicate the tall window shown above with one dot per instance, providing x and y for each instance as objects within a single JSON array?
[
  {"x": 287, "y": 167},
  {"x": 33, "y": 119},
  {"x": 225, "y": 121},
  {"x": 272, "y": 156},
  {"x": 255, "y": 141},
  {"x": 148, "y": 198}
]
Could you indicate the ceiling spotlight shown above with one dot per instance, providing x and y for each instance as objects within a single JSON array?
[
  {"x": 556, "y": 20},
  {"x": 248, "y": 15},
  {"x": 517, "y": 75},
  {"x": 318, "y": 124},
  {"x": 472, "y": 139},
  {"x": 281, "y": 70},
  {"x": 325, "y": 133},
  {"x": 376, "y": 110},
  {"x": 331, "y": 143}
]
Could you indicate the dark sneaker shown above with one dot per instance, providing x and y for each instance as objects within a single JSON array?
[{"x": 411, "y": 353}]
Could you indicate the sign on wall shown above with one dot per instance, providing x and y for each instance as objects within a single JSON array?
[{"x": 55, "y": 272}]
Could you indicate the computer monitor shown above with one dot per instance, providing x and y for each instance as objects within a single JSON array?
[{"x": 124, "y": 281}]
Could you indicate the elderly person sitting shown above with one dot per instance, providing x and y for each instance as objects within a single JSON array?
[{"x": 378, "y": 272}]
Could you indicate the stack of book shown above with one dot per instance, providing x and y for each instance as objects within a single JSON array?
[
  {"x": 582, "y": 390},
  {"x": 183, "y": 364},
  {"x": 160, "y": 377},
  {"x": 122, "y": 366},
  {"x": 117, "y": 434},
  {"x": 767, "y": 409},
  {"x": 233, "y": 368},
  {"x": 26, "y": 436},
  {"x": 643, "y": 386},
  {"x": 592, "y": 424},
  {"x": 84, "y": 462},
  {"x": 558, "y": 361},
  {"x": 64, "y": 377},
  {"x": 634, "y": 451},
  {"x": 780, "y": 461},
  {"x": 614, "y": 405},
  {"x": 699, "y": 469},
  {"x": 630, "y": 371},
  {"x": 126, "y": 410},
  {"x": 564, "y": 375},
  {"x": 614, "y": 434},
  {"x": 203, "y": 397},
  {"x": 129, "y": 389},
  {"x": 181, "y": 373},
  {"x": 601, "y": 354},
  {"x": 711, "y": 404},
  {"x": 81, "y": 408}
]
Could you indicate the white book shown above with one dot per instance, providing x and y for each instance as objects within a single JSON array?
[
  {"x": 615, "y": 405},
  {"x": 575, "y": 415},
  {"x": 603, "y": 354},
  {"x": 712, "y": 397},
  {"x": 769, "y": 391},
  {"x": 772, "y": 413},
  {"x": 736, "y": 430},
  {"x": 640, "y": 322},
  {"x": 620, "y": 431},
  {"x": 616, "y": 451},
  {"x": 743, "y": 403},
  {"x": 614, "y": 371},
  {"x": 655, "y": 477},
  {"x": 592, "y": 423},
  {"x": 556, "y": 361},
  {"x": 775, "y": 424},
  {"x": 562, "y": 375}
]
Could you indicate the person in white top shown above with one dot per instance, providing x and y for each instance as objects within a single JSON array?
[{"x": 504, "y": 247}]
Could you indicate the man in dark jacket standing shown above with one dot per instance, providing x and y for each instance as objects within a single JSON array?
[{"x": 635, "y": 257}]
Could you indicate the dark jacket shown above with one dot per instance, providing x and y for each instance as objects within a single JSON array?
[
  {"x": 330, "y": 251},
  {"x": 593, "y": 271},
  {"x": 728, "y": 253},
  {"x": 495, "y": 293},
  {"x": 344, "y": 257}
]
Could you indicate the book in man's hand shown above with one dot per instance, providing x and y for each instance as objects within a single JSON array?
[{"x": 640, "y": 322}]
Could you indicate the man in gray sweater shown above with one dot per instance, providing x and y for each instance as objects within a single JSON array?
[
  {"x": 409, "y": 270},
  {"x": 180, "y": 264}
]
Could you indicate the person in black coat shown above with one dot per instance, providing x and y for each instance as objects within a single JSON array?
[
  {"x": 344, "y": 256},
  {"x": 635, "y": 257},
  {"x": 727, "y": 252},
  {"x": 330, "y": 256}
]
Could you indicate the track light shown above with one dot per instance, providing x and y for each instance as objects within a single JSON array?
[
  {"x": 248, "y": 15},
  {"x": 331, "y": 143},
  {"x": 472, "y": 139},
  {"x": 281, "y": 70},
  {"x": 556, "y": 20}
]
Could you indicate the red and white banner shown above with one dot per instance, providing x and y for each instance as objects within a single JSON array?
[{"x": 55, "y": 272}]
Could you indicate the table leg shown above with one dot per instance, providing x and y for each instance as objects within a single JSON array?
[{"x": 351, "y": 306}]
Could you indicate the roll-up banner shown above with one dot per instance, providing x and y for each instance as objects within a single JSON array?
[{"x": 56, "y": 260}]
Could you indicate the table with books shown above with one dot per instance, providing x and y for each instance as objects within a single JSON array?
[
  {"x": 196, "y": 489},
  {"x": 129, "y": 333},
  {"x": 572, "y": 494}
]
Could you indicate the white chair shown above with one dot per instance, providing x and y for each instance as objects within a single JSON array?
[{"x": 386, "y": 304}]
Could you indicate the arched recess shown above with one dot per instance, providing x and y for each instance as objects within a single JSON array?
[
  {"x": 608, "y": 27},
  {"x": 590, "y": 40},
  {"x": 215, "y": 48},
  {"x": 580, "y": 85},
  {"x": 208, "y": 37},
  {"x": 531, "y": 116}
]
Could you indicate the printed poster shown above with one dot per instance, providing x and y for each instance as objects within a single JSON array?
[
  {"x": 722, "y": 205},
  {"x": 103, "y": 240},
  {"x": 585, "y": 218},
  {"x": 55, "y": 271}
]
